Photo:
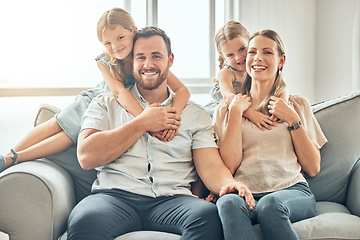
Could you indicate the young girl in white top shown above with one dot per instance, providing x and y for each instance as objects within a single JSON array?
[
  {"x": 115, "y": 30},
  {"x": 270, "y": 162},
  {"x": 232, "y": 45}
]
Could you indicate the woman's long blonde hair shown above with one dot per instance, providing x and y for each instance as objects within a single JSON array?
[
  {"x": 229, "y": 31},
  {"x": 115, "y": 16},
  {"x": 279, "y": 85}
]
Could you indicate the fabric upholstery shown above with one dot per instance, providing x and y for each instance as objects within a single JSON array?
[{"x": 339, "y": 120}]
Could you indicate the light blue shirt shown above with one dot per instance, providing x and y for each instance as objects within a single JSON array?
[{"x": 151, "y": 167}]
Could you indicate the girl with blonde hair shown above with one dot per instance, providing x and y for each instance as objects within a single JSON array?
[
  {"x": 115, "y": 30},
  {"x": 232, "y": 44},
  {"x": 271, "y": 162}
]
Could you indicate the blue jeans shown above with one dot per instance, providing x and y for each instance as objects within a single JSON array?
[
  {"x": 111, "y": 213},
  {"x": 274, "y": 212}
]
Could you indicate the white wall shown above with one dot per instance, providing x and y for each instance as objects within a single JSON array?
[
  {"x": 334, "y": 52},
  {"x": 318, "y": 40}
]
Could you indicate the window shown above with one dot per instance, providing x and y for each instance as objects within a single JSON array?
[{"x": 53, "y": 44}]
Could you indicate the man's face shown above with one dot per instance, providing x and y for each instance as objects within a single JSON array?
[{"x": 151, "y": 62}]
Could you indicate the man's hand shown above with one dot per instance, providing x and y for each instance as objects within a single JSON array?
[
  {"x": 242, "y": 190},
  {"x": 158, "y": 118}
]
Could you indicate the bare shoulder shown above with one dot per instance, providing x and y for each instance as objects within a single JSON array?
[{"x": 225, "y": 74}]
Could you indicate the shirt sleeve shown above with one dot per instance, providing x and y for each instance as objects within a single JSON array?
[
  {"x": 221, "y": 118},
  {"x": 104, "y": 59},
  {"x": 203, "y": 132},
  {"x": 312, "y": 127},
  {"x": 96, "y": 115}
]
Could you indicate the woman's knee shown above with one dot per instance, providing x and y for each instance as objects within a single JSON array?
[
  {"x": 229, "y": 203},
  {"x": 270, "y": 205}
]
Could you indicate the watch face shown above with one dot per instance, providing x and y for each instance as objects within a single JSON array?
[{"x": 295, "y": 126}]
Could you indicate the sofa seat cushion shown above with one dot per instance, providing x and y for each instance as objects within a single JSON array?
[
  {"x": 141, "y": 235},
  {"x": 148, "y": 235},
  {"x": 332, "y": 221}
]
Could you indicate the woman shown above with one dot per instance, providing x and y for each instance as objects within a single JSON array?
[{"x": 270, "y": 162}]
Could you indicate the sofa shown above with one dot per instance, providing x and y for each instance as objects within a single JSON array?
[{"x": 36, "y": 197}]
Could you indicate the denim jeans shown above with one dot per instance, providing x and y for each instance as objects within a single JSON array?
[
  {"x": 110, "y": 213},
  {"x": 274, "y": 212}
]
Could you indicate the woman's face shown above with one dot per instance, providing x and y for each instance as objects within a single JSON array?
[
  {"x": 118, "y": 41},
  {"x": 234, "y": 53},
  {"x": 263, "y": 60}
]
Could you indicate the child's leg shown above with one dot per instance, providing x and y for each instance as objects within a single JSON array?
[
  {"x": 38, "y": 134},
  {"x": 45, "y": 139},
  {"x": 51, "y": 145}
]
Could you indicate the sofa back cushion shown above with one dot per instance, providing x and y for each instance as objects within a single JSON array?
[{"x": 339, "y": 119}]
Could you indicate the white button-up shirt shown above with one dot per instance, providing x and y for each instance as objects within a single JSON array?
[{"x": 151, "y": 167}]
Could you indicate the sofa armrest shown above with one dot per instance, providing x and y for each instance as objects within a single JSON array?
[
  {"x": 353, "y": 192},
  {"x": 36, "y": 198}
]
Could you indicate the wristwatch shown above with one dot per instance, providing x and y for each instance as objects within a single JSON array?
[{"x": 295, "y": 126}]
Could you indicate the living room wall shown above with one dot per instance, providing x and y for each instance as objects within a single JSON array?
[{"x": 321, "y": 39}]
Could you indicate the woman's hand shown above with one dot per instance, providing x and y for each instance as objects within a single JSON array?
[
  {"x": 281, "y": 110},
  {"x": 240, "y": 103}
]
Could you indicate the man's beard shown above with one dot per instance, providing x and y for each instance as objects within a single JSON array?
[{"x": 154, "y": 85}]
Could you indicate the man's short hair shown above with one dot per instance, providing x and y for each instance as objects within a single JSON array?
[{"x": 147, "y": 32}]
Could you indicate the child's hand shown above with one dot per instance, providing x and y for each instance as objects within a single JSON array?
[
  {"x": 275, "y": 119},
  {"x": 165, "y": 135},
  {"x": 212, "y": 198},
  {"x": 240, "y": 103},
  {"x": 157, "y": 135},
  {"x": 169, "y": 134},
  {"x": 260, "y": 120}
]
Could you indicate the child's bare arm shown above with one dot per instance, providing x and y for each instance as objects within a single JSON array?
[
  {"x": 123, "y": 96},
  {"x": 181, "y": 98},
  {"x": 225, "y": 82},
  {"x": 259, "y": 119},
  {"x": 182, "y": 94}
]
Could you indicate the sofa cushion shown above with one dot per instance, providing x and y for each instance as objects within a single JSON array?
[
  {"x": 141, "y": 235},
  {"x": 339, "y": 120}
]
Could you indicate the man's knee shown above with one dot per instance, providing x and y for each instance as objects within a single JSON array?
[
  {"x": 205, "y": 221},
  {"x": 82, "y": 224}
]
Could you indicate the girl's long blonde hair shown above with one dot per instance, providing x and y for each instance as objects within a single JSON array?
[
  {"x": 279, "y": 85},
  {"x": 229, "y": 31},
  {"x": 115, "y": 16}
]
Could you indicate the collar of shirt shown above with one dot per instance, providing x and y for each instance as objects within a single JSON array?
[{"x": 135, "y": 92}]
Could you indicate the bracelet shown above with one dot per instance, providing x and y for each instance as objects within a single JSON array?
[
  {"x": 295, "y": 126},
  {"x": 14, "y": 156}
]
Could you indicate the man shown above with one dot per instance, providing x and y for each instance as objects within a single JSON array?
[{"x": 144, "y": 183}]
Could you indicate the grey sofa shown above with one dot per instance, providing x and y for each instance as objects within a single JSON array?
[{"x": 36, "y": 197}]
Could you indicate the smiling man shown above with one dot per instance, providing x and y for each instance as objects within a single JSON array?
[{"x": 144, "y": 183}]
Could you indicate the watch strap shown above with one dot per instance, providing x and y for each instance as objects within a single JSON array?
[{"x": 295, "y": 126}]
